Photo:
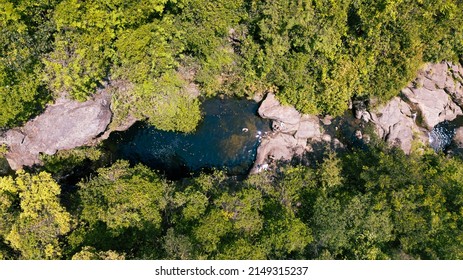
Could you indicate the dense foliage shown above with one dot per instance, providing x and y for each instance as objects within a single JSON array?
[
  {"x": 316, "y": 55},
  {"x": 369, "y": 204},
  {"x": 157, "y": 57}
]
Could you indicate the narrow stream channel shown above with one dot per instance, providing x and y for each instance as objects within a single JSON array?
[{"x": 227, "y": 138}]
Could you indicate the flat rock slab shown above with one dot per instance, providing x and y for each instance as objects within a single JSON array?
[
  {"x": 309, "y": 128},
  {"x": 272, "y": 109},
  {"x": 67, "y": 124}
]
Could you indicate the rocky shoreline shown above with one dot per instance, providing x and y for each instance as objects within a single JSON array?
[
  {"x": 64, "y": 125},
  {"x": 435, "y": 96}
]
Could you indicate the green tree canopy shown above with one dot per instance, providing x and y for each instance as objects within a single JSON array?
[{"x": 33, "y": 220}]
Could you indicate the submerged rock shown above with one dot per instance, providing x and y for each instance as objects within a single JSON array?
[
  {"x": 456, "y": 146},
  {"x": 67, "y": 124},
  {"x": 458, "y": 137}
]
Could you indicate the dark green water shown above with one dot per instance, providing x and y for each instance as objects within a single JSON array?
[{"x": 219, "y": 141}]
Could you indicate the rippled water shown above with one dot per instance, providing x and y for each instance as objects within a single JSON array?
[
  {"x": 227, "y": 138},
  {"x": 442, "y": 134}
]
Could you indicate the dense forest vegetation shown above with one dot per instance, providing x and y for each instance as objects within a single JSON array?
[
  {"x": 315, "y": 55},
  {"x": 372, "y": 203},
  {"x": 375, "y": 203}
]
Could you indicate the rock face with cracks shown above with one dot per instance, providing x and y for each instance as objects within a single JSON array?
[
  {"x": 291, "y": 131},
  {"x": 67, "y": 124},
  {"x": 395, "y": 123},
  {"x": 436, "y": 95}
]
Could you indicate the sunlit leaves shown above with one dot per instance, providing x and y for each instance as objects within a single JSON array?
[
  {"x": 39, "y": 219},
  {"x": 123, "y": 197}
]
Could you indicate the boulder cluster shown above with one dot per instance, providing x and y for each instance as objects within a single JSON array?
[
  {"x": 435, "y": 96},
  {"x": 291, "y": 132}
]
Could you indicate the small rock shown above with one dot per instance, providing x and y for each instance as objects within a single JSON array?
[
  {"x": 360, "y": 108},
  {"x": 309, "y": 148},
  {"x": 337, "y": 144},
  {"x": 458, "y": 137},
  {"x": 366, "y": 117},
  {"x": 327, "y": 120},
  {"x": 326, "y": 137},
  {"x": 366, "y": 138}
]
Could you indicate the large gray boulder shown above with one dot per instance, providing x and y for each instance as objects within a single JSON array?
[
  {"x": 435, "y": 105},
  {"x": 395, "y": 123},
  {"x": 272, "y": 109},
  {"x": 291, "y": 131},
  {"x": 67, "y": 124}
]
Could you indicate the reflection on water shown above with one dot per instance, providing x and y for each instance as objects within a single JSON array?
[{"x": 227, "y": 137}]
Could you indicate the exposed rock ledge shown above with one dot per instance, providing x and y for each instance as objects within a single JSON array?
[
  {"x": 67, "y": 124},
  {"x": 436, "y": 95},
  {"x": 291, "y": 131}
]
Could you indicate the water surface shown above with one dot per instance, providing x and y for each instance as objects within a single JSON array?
[
  {"x": 227, "y": 138},
  {"x": 440, "y": 137}
]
